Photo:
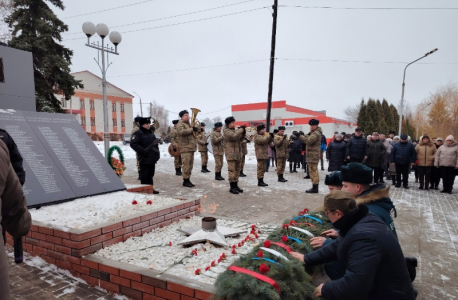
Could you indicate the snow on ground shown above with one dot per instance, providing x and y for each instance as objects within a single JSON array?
[
  {"x": 87, "y": 212},
  {"x": 152, "y": 250}
]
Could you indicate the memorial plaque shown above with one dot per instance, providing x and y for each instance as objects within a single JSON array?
[{"x": 60, "y": 160}]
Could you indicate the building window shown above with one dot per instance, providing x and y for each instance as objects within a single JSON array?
[
  {"x": 92, "y": 105},
  {"x": 83, "y": 121},
  {"x": 81, "y": 103},
  {"x": 123, "y": 123},
  {"x": 115, "y": 123},
  {"x": 122, "y": 107},
  {"x": 289, "y": 123},
  {"x": 92, "y": 121},
  {"x": 113, "y": 106}
]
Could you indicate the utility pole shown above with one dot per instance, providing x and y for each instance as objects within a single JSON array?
[
  {"x": 272, "y": 62},
  {"x": 150, "y": 108},
  {"x": 141, "y": 107}
]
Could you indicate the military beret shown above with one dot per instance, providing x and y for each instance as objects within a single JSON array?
[
  {"x": 339, "y": 200},
  {"x": 183, "y": 112},
  {"x": 260, "y": 127},
  {"x": 218, "y": 124},
  {"x": 356, "y": 173},
  {"x": 333, "y": 179},
  {"x": 229, "y": 120},
  {"x": 281, "y": 128},
  {"x": 314, "y": 122},
  {"x": 174, "y": 122}
]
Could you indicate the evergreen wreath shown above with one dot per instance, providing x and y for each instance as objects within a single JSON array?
[
  {"x": 116, "y": 164},
  {"x": 292, "y": 280}
]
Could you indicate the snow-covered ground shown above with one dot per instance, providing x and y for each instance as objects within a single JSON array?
[
  {"x": 153, "y": 251},
  {"x": 88, "y": 212}
]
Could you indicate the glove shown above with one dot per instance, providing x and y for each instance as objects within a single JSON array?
[
  {"x": 206, "y": 144},
  {"x": 301, "y": 133},
  {"x": 284, "y": 137},
  {"x": 271, "y": 134},
  {"x": 195, "y": 129}
]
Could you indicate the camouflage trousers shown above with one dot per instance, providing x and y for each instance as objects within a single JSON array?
[
  {"x": 281, "y": 164},
  {"x": 204, "y": 157},
  {"x": 177, "y": 162},
  {"x": 261, "y": 168},
  {"x": 233, "y": 166},
  {"x": 242, "y": 161},
  {"x": 219, "y": 162},
  {"x": 188, "y": 162},
  {"x": 313, "y": 168}
]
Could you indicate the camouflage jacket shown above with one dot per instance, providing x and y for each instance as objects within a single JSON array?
[
  {"x": 312, "y": 140},
  {"x": 201, "y": 142},
  {"x": 232, "y": 143},
  {"x": 244, "y": 147},
  {"x": 217, "y": 142},
  {"x": 261, "y": 145},
  {"x": 173, "y": 136},
  {"x": 281, "y": 146},
  {"x": 185, "y": 137}
]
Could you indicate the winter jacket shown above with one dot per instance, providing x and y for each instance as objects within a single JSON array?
[
  {"x": 447, "y": 156},
  {"x": 374, "y": 264},
  {"x": 185, "y": 137},
  {"x": 295, "y": 149},
  {"x": 377, "y": 199},
  {"x": 14, "y": 217},
  {"x": 140, "y": 141},
  {"x": 261, "y": 145},
  {"x": 357, "y": 147},
  {"x": 232, "y": 143},
  {"x": 173, "y": 137},
  {"x": 217, "y": 142},
  {"x": 202, "y": 142},
  {"x": 335, "y": 153},
  {"x": 324, "y": 143},
  {"x": 15, "y": 156},
  {"x": 312, "y": 141},
  {"x": 271, "y": 149},
  {"x": 425, "y": 154},
  {"x": 375, "y": 153},
  {"x": 281, "y": 143},
  {"x": 244, "y": 146},
  {"x": 403, "y": 153}
]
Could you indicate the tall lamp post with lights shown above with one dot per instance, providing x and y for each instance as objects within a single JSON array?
[
  {"x": 403, "y": 86},
  {"x": 115, "y": 37}
]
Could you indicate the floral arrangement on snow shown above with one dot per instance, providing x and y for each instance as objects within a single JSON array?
[{"x": 116, "y": 164}]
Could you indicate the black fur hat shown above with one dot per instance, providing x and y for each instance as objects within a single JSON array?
[
  {"x": 333, "y": 179},
  {"x": 229, "y": 120},
  {"x": 260, "y": 127},
  {"x": 314, "y": 122},
  {"x": 183, "y": 112},
  {"x": 218, "y": 124},
  {"x": 356, "y": 173},
  {"x": 143, "y": 121},
  {"x": 137, "y": 119},
  {"x": 175, "y": 122},
  {"x": 202, "y": 124},
  {"x": 281, "y": 128},
  {"x": 275, "y": 131}
]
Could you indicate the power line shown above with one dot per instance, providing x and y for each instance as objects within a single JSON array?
[
  {"x": 370, "y": 8},
  {"x": 181, "y": 23},
  {"x": 171, "y": 17},
  {"x": 358, "y": 61},
  {"x": 108, "y": 9}
]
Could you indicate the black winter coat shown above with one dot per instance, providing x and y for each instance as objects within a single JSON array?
[
  {"x": 375, "y": 153},
  {"x": 141, "y": 139},
  {"x": 295, "y": 149},
  {"x": 403, "y": 153},
  {"x": 336, "y": 154},
  {"x": 15, "y": 156},
  {"x": 374, "y": 264},
  {"x": 357, "y": 147}
]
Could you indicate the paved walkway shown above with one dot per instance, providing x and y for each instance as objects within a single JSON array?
[{"x": 426, "y": 225}]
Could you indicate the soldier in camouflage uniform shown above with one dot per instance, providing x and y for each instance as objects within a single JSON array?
[
  {"x": 202, "y": 147},
  {"x": 244, "y": 153},
  {"x": 187, "y": 144},
  {"x": 261, "y": 146},
  {"x": 281, "y": 148},
  {"x": 173, "y": 141},
  {"x": 312, "y": 140},
  {"x": 218, "y": 149},
  {"x": 232, "y": 149}
]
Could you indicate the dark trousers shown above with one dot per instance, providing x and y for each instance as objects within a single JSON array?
[
  {"x": 448, "y": 178},
  {"x": 435, "y": 177},
  {"x": 378, "y": 174},
  {"x": 147, "y": 173},
  {"x": 402, "y": 170},
  {"x": 424, "y": 174}
]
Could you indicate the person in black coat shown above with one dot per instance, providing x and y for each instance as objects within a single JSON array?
[
  {"x": 356, "y": 147},
  {"x": 375, "y": 153},
  {"x": 295, "y": 152},
  {"x": 335, "y": 153},
  {"x": 145, "y": 144},
  {"x": 374, "y": 263},
  {"x": 403, "y": 155}
]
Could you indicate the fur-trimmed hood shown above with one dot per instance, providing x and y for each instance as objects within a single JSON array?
[{"x": 377, "y": 194}]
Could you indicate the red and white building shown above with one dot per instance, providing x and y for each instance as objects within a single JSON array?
[{"x": 292, "y": 117}]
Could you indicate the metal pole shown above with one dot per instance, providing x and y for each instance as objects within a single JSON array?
[
  {"x": 272, "y": 63},
  {"x": 141, "y": 107},
  {"x": 106, "y": 135},
  {"x": 150, "y": 109}
]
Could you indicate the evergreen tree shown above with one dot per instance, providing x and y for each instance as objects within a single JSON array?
[
  {"x": 38, "y": 30},
  {"x": 394, "y": 118},
  {"x": 381, "y": 122},
  {"x": 387, "y": 116},
  {"x": 361, "y": 121},
  {"x": 372, "y": 116}
]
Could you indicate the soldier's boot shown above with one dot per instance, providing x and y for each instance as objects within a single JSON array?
[
  {"x": 237, "y": 187},
  {"x": 313, "y": 190},
  {"x": 241, "y": 173},
  {"x": 206, "y": 169},
  {"x": 187, "y": 183},
  {"x": 178, "y": 172},
  {"x": 281, "y": 179},
  {"x": 233, "y": 190},
  {"x": 261, "y": 182},
  {"x": 218, "y": 176}
]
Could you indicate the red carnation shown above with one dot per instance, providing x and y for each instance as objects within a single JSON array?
[
  {"x": 170, "y": 244},
  {"x": 264, "y": 268},
  {"x": 256, "y": 236},
  {"x": 267, "y": 244},
  {"x": 243, "y": 242},
  {"x": 233, "y": 251},
  {"x": 197, "y": 272},
  {"x": 213, "y": 263},
  {"x": 292, "y": 222},
  {"x": 259, "y": 231},
  {"x": 285, "y": 226},
  {"x": 223, "y": 255},
  {"x": 306, "y": 210},
  {"x": 253, "y": 227},
  {"x": 260, "y": 254},
  {"x": 233, "y": 246},
  {"x": 149, "y": 202},
  {"x": 239, "y": 245},
  {"x": 207, "y": 268},
  {"x": 134, "y": 202},
  {"x": 194, "y": 252},
  {"x": 219, "y": 260},
  {"x": 284, "y": 239}
]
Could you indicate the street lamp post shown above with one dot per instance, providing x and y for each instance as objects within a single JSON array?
[
  {"x": 115, "y": 37},
  {"x": 403, "y": 86},
  {"x": 141, "y": 107}
]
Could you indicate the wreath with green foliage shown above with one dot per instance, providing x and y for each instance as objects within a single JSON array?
[
  {"x": 116, "y": 164},
  {"x": 292, "y": 278}
]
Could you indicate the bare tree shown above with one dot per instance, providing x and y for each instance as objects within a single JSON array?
[
  {"x": 160, "y": 115},
  {"x": 351, "y": 113},
  {"x": 217, "y": 119},
  {"x": 6, "y": 8}
]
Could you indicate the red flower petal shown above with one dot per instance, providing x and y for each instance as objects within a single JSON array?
[
  {"x": 149, "y": 202},
  {"x": 264, "y": 268},
  {"x": 233, "y": 251},
  {"x": 233, "y": 246},
  {"x": 213, "y": 263},
  {"x": 197, "y": 272},
  {"x": 260, "y": 254},
  {"x": 256, "y": 236},
  {"x": 285, "y": 226},
  {"x": 134, "y": 202},
  {"x": 207, "y": 268},
  {"x": 284, "y": 239},
  {"x": 259, "y": 231},
  {"x": 267, "y": 244},
  {"x": 170, "y": 244},
  {"x": 306, "y": 210},
  {"x": 253, "y": 227}
]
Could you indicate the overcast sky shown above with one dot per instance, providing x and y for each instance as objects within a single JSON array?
[{"x": 379, "y": 36}]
